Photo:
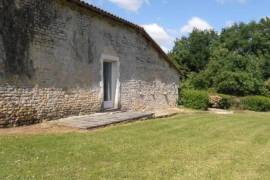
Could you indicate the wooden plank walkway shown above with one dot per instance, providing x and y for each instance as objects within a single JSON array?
[{"x": 102, "y": 119}]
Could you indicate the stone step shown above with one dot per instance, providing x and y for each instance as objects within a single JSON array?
[{"x": 102, "y": 119}]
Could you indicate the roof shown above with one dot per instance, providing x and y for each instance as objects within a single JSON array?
[{"x": 127, "y": 23}]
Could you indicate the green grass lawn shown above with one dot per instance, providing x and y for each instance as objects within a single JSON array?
[{"x": 188, "y": 146}]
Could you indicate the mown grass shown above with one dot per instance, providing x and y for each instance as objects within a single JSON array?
[{"x": 189, "y": 146}]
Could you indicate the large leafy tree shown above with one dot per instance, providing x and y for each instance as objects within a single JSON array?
[
  {"x": 192, "y": 53},
  {"x": 236, "y": 61},
  {"x": 236, "y": 74}
]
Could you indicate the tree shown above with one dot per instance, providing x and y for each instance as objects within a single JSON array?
[
  {"x": 231, "y": 73},
  {"x": 192, "y": 53},
  {"x": 236, "y": 61}
]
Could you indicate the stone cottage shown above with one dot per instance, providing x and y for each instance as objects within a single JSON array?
[{"x": 65, "y": 57}]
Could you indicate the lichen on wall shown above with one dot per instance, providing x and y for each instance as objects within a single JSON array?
[{"x": 18, "y": 22}]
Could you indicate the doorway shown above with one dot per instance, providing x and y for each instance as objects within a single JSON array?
[{"x": 108, "y": 85}]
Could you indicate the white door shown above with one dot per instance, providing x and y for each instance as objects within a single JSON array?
[{"x": 108, "y": 85}]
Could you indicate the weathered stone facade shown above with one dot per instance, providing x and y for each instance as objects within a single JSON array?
[{"x": 50, "y": 63}]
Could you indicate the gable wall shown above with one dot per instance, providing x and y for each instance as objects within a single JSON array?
[{"x": 55, "y": 70}]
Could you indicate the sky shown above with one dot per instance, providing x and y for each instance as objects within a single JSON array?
[{"x": 167, "y": 20}]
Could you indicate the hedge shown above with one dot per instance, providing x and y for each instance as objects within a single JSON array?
[
  {"x": 194, "y": 99},
  {"x": 256, "y": 103},
  {"x": 197, "y": 99}
]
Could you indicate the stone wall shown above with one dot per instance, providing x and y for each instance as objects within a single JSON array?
[
  {"x": 142, "y": 95},
  {"x": 22, "y": 106},
  {"x": 50, "y": 63}
]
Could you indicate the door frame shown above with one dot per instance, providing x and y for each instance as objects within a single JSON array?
[{"x": 115, "y": 76}]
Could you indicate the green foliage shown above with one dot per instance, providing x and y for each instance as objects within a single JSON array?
[
  {"x": 200, "y": 81},
  {"x": 192, "y": 53},
  {"x": 226, "y": 101},
  {"x": 195, "y": 99},
  {"x": 256, "y": 103},
  {"x": 237, "y": 83},
  {"x": 265, "y": 91},
  {"x": 267, "y": 84},
  {"x": 265, "y": 66},
  {"x": 235, "y": 74},
  {"x": 235, "y": 62},
  {"x": 195, "y": 81}
]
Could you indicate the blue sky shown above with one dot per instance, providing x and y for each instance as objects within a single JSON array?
[{"x": 166, "y": 20}]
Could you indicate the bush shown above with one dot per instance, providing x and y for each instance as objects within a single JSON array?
[
  {"x": 237, "y": 83},
  {"x": 267, "y": 84},
  {"x": 226, "y": 101},
  {"x": 265, "y": 91},
  {"x": 195, "y": 99},
  {"x": 200, "y": 81},
  {"x": 256, "y": 103},
  {"x": 221, "y": 101}
]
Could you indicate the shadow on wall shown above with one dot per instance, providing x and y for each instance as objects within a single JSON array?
[{"x": 18, "y": 22}]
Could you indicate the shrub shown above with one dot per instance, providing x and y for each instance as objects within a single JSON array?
[
  {"x": 256, "y": 103},
  {"x": 237, "y": 83},
  {"x": 265, "y": 91},
  {"x": 195, "y": 99},
  {"x": 221, "y": 101},
  {"x": 227, "y": 101},
  {"x": 200, "y": 81},
  {"x": 267, "y": 84}
]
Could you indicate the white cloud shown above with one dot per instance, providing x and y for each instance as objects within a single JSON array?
[
  {"x": 160, "y": 35},
  {"x": 229, "y": 24},
  {"x": 130, "y": 5},
  {"x": 195, "y": 23},
  {"x": 231, "y": 1}
]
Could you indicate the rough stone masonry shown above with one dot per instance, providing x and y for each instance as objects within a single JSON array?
[{"x": 50, "y": 63}]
